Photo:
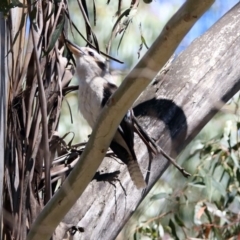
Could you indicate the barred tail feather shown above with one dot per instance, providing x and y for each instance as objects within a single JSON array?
[{"x": 136, "y": 174}]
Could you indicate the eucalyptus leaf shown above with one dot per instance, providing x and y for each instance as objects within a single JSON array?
[
  {"x": 159, "y": 196},
  {"x": 55, "y": 35},
  {"x": 173, "y": 229},
  {"x": 218, "y": 186},
  {"x": 178, "y": 220},
  {"x": 235, "y": 158}
]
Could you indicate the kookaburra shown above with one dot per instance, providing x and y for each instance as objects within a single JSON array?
[{"x": 94, "y": 92}]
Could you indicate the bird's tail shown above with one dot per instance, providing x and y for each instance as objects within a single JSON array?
[{"x": 136, "y": 174}]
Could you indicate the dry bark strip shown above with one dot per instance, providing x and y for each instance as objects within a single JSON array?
[{"x": 173, "y": 109}]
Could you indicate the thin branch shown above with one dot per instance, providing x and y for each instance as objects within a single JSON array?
[
  {"x": 43, "y": 104},
  {"x": 174, "y": 163},
  {"x": 55, "y": 22},
  {"x": 144, "y": 136},
  {"x": 90, "y": 44},
  {"x": 89, "y": 30}
]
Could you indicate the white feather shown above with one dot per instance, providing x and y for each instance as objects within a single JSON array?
[{"x": 91, "y": 89}]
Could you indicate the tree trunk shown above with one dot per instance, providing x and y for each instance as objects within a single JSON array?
[{"x": 173, "y": 109}]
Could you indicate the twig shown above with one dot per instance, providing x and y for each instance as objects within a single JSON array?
[
  {"x": 153, "y": 219},
  {"x": 43, "y": 104},
  {"x": 143, "y": 135},
  {"x": 174, "y": 163}
]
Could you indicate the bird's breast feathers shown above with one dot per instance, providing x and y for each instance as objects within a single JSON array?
[{"x": 90, "y": 98}]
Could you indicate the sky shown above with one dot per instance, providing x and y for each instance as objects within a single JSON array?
[
  {"x": 163, "y": 8},
  {"x": 152, "y": 18},
  {"x": 160, "y": 12}
]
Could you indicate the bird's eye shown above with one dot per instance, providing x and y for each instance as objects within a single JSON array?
[{"x": 91, "y": 53}]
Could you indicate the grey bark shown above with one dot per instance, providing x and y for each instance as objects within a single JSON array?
[
  {"x": 173, "y": 109},
  {"x": 3, "y": 105}
]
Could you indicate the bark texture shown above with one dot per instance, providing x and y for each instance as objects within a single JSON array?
[{"x": 173, "y": 109}]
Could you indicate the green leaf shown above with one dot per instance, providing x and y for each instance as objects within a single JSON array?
[
  {"x": 178, "y": 221},
  {"x": 32, "y": 16},
  {"x": 203, "y": 172},
  {"x": 229, "y": 199},
  {"x": 227, "y": 130},
  {"x": 124, "y": 13},
  {"x": 135, "y": 237},
  {"x": 196, "y": 147},
  {"x": 17, "y": 3},
  {"x": 234, "y": 158},
  {"x": 207, "y": 149},
  {"x": 208, "y": 182},
  {"x": 238, "y": 174},
  {"x": 173, "y": 229},
  {"x": 197, "y": 184},
  {"x": 5, "y": 6},
  {"x": 148, "y": 230},
  {"x": 159, "y": 196},
  {"x": 218, "y": 186},
  {"x": 147, "y": 1},
  {"x": 55, "y": 36},
  {"x": 208, "y": 214},
  {"x": 238, "y": 125},
  {"x": 144, "y": 42},
  {"x": 214, "y": 166}
]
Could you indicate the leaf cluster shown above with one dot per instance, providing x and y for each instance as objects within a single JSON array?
[
  {"x": 206, "y": 207},
  {"x": 6, "y": 5}
]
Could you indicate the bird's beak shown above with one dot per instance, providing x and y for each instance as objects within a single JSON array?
[{"x": 76, "y": 50}]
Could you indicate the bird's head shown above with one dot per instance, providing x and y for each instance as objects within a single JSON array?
[{"x": 89, "y": 63}]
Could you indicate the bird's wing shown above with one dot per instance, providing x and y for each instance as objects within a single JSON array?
[
  {"x": 123, "y": 141},
  {"x": 126, "y": 130},
  {"x": 126, "y": 126},
  {"x": 108, "y": 90}
]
